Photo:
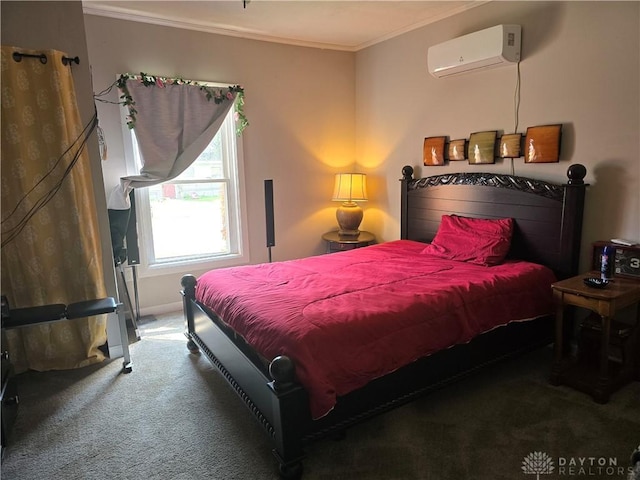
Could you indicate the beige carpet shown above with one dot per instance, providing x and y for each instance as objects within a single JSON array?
[{"x": 174, "y": 417}]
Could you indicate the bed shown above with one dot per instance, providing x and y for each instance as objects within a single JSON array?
[{"x": 314, "y": 346}]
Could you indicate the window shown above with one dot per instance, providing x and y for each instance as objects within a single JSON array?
[{"x": 194, "y": 220}]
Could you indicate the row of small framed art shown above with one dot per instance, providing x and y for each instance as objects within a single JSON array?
[{"x": 541, "y": 145}]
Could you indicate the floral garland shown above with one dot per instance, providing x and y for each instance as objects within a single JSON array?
[{"x": 216, "y": 94}]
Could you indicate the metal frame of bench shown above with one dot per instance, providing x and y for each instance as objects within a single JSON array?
[{"x": 29, "y": 316}]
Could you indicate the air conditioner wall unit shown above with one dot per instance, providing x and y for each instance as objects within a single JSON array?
[{"x": 493, "y": 47}]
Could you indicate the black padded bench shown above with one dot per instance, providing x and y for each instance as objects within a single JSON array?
[{"x": 28, "y": 316}]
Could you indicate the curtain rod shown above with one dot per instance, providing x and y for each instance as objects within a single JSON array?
[{"x": 17, "y": 56}]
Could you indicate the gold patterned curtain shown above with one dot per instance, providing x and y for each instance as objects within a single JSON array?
[{"x": 51, "y": 250}]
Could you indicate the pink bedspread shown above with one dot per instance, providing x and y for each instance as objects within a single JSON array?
[{"x": 350, "y": 317}]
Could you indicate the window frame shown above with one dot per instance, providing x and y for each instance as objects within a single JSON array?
[{"x": 236, "y": 199}]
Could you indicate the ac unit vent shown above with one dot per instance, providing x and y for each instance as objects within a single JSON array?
[{"x": 493, "y": 47}]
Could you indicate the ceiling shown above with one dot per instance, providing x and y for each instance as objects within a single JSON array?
[{"x": 331, "y": 24}]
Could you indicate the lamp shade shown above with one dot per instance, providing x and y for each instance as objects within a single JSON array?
[{"x": 350, "y": 187}]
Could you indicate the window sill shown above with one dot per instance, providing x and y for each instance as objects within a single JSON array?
[{"x": 181, "y": 268}]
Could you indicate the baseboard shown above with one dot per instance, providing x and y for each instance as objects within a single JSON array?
[{"x": 161, "y": 309}]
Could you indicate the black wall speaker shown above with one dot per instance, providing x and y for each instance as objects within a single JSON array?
[
  {"x": 131, "y": 238},
  {"x": 268, "y": 206}
]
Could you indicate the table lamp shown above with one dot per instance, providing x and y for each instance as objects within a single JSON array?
[{"x": 349, "y": 188}]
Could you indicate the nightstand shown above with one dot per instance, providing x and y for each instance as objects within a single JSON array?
[
  {"x": 609, "y": 356},
  {"x": 338, "y": 243}
]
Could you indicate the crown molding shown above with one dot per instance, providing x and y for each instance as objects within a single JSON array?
[
  {"x": 207, "y": 27},
  {"x": 235, "y": 31}
]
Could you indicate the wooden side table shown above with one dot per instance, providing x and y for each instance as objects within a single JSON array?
[
  {"x": 338, "y": 243},
  {"x": 603, "y": 376}
]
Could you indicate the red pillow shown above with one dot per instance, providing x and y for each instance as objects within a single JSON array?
[{"x": 476, "y": 240}]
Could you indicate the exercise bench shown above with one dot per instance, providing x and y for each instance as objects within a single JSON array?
[{"x": 29, "y": 316}]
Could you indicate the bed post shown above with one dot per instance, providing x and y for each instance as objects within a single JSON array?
[
  {"x": 290, "y": 415},
  {"x": 407, "y": 176},
  {"x": 572, "y": 208}
]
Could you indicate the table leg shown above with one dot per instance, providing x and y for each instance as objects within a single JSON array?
[
  {"x": 601, "y": 392},
  {"x": 635, "y": 346},
  {"x": 558, "y": 346}
]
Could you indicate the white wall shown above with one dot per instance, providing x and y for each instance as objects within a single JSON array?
[
  {"x": 580, "y": 67},
  {"x": 300, "y": 103}
]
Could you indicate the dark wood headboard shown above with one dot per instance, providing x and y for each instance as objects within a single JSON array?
[{"x": 548, "y": 217}]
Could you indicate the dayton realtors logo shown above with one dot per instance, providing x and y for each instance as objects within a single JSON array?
[{"x": 539, "y": 463}]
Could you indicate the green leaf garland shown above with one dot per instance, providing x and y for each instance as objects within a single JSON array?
[{"x": 218, "y": 95}]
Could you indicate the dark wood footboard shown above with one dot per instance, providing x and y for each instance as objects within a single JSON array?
[
  {"x": 280, "y": 404},
  {"x": 277, "y": 401}
]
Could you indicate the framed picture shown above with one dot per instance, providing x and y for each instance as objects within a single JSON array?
[
  {"x": 510, "y": 145},
  {"x": 482, "y": 147},
  {"x": 542, "y": 144},
  {"x": 456, "y": 149},
  {"x": 433, "y": 150}
]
